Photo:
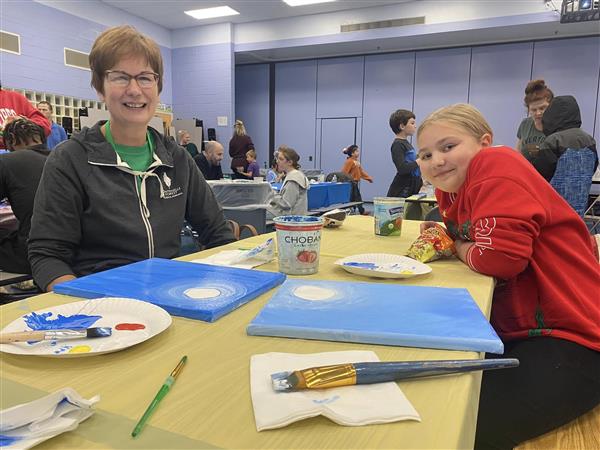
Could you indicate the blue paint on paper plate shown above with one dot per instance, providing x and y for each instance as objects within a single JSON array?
[{"x": 44, "y": 322}]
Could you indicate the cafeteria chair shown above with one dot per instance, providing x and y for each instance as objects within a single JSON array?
[{"x": 572, "y": 178}]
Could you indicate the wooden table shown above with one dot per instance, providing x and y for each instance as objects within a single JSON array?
[{"x": 210, "y": 405}]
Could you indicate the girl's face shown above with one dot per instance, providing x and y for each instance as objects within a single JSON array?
[
  {"x": 445, "y": 152},
  {"x": 536, "y": 111},
  {"x": 250, "y": 158},
  {"x": 355, "y": 154},
  {"x": 283, "y": 165}
]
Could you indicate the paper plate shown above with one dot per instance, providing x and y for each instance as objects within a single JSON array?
[
  {"x": 383, "y": 265},
  {"x": 132, "y": 322}
]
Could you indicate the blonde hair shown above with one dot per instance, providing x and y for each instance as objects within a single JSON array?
[
  {"x": 461, "y": 115},
  {"x": 251, "y": 153},
  {"x": 117, "y": 43},
  {"x": 239, "y": 129}
]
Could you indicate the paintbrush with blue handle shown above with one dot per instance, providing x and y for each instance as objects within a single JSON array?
[
  {"x": 45, "y": 335},
  {"x": 379, "y": 372}
]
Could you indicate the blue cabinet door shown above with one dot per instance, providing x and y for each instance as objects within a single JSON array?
[
  {"x": 571, "y": 67},
  {"x": 389, "y": 81},
  {"x": 295, "y": 105},
  {"x": 252, "y": 106},
  {"x": 499, "y": 74},
  {"x": 340, "y": 87},
  {"x": 441, "y": 79},
  {"x": 335, "y": 134}
]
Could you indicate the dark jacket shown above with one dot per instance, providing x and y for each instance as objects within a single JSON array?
[
  {"x": 407, "y": 180},
  {"x": 90, "y": 215},
  {"x": 561, "y": 122},
  {"x": 238, "y": 146},
  {"x": 20, "y": 173},
  {"x": 209, "y": 171}
]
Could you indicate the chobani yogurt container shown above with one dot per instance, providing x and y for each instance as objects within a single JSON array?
[
  {"x": 298, "y": 243},
  {"x": 388, "y": 213}
]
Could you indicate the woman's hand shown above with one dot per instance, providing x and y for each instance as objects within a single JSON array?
[{"x": 370, "y": 180}]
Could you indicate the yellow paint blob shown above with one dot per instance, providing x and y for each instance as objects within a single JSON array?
[{"x": 81, "y": 349}]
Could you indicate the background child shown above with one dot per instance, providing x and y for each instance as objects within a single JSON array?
[
  {"x": 253, "y": 169},
  {"x": 273, "y": 174},
  {"x": 508, "y": 222},
  {"x": 408, "y": 177},
  {"x": 353, "y": 168}
]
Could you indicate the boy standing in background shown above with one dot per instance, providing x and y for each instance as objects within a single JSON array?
[{"x": 408, "y": 176}]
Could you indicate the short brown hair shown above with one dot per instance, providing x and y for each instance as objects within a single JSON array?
[
  {"x": 44, "y": 102},
  {"x": 400, "y": 117},
  {"x": 537, "y": 90},
  {"x": 118, "y": 43},
  {"x": 462, "y": 115}
]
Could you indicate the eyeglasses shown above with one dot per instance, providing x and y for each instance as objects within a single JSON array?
[{"x": 145, "y": 80}]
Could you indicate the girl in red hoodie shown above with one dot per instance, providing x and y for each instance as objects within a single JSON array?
[{"x": 509, "y": 223}]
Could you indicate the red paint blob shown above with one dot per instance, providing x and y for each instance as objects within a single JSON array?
[{"x": 130, "y": 326}]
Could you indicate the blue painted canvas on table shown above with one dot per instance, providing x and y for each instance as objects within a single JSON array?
[
  {"x": 196, "y": 291},
  {"x": 377, "y": 313}
]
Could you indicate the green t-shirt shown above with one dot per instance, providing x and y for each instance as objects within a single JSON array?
[{"x": 137, "y": 158}]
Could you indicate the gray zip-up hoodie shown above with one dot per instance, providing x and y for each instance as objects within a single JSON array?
[
  {"x": 292, "y": 198},
  {"x": 90, "y": 215}
]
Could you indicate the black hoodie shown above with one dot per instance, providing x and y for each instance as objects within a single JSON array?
[
  {"x": 561, "y": 122},
  {"x": 90, "y": 215}
]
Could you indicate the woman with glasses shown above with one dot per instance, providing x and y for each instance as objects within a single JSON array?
[{"x": 119, "y": 192}]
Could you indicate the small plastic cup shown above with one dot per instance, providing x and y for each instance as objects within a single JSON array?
[
  {"x": 298, "y": 244},
  {"x": 388, "y": 213}
]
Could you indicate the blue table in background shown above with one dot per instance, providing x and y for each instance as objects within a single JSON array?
[{"x": 324, "y": 194}]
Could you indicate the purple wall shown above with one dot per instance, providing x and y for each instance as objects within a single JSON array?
[
  {"x": 44, "y": 33},
  {"x": 203, "y": 85}
]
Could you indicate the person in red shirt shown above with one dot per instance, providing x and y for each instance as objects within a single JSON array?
[
  {"x": 14, "y": 106},
  {"x": 353, "y": 168},
  {"x": 509, "y": 223}
]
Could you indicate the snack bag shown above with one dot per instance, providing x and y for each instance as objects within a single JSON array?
[{"x": 432, "y": 244}]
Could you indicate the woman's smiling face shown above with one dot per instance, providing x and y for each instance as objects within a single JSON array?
[
  {"x": 445, "y": 151},
  {"x": 131, "y": 105}
]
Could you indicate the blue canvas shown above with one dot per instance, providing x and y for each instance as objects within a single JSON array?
[
  {"x": 377, "y": 313},
  {"x": 167, "y": 283}
]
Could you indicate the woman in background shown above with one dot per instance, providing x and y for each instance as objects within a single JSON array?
[
  {"x": 353, "y": 168},
  {"x": 293, "y": 196},
  {"x": 185, "y": 140},
  {"x": 239, "y": 145},
  {"x": 530, "y": 133}
]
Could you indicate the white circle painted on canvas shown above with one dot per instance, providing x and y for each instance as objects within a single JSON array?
[
  {"x": 314, "y": 293},
  {"x": 202, "y": 293}
]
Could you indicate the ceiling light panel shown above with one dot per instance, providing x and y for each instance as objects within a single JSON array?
[
  {"x": 210, "y": 13},
  {"x": 306, "y": 2}
]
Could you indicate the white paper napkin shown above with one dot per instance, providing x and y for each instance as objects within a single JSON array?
[
  {"x": 28, "y": 424},
  {"x": 243, "y": 259},
  {"x": 349, "y": 405}
]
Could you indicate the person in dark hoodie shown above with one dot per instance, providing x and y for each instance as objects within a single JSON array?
[
  {"x": 567, "y": 157},
  {"x": 20, "y": 173},
  {"x": 119, "y": 192}
]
